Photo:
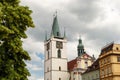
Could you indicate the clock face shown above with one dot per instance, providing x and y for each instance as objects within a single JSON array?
[{"x": 59, "y": 45}]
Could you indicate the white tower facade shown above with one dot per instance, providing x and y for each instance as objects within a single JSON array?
[{"x": 55, "y": 55}]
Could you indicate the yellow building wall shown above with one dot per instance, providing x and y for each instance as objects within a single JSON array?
[
  {"x": 113, "y": 59},
  {"x": 116, "y": 78},
  {"x": 116, "y": 69}
]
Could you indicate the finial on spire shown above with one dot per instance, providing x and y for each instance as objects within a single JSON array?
[
  {"x": 93, "y": 57},
  {"x": 64, "y": 32},
  {"x": 45, "y": 35},
  {"x": 55, "y": 14},
  {"x": 80, "y": 47},
  {"x": 55, "y": 27},
  {"x": 80, "y": 40},
  {"x": 79, "y": 36}
]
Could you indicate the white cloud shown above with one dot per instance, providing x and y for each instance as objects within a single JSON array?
[
  {"x": 35, "y": 57},
  {"x": 71, "y": 50},
  {"x": 34, "y": 67},
  {"x": 35, "y": 78},
  {"x": 33, "y": 46}
]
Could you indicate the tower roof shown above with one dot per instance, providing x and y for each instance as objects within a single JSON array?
[
  {"x": 55, "y": 28},
  {"x": 46, "y": 36},
  {"x": 80, "y": 45},
  {"x": 71, "y": 64}
]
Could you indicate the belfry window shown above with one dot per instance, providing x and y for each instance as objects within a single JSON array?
[
  {"x": 59, "y": 78},
  {"x": 59, "y": 68},
  {"x": 59, "y": 53},
  {"x": 57, "y": 33}
]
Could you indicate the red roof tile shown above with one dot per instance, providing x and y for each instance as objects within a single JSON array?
[
  {"x": 72, "y": 64},
  {"x": 86, "y": 55}
]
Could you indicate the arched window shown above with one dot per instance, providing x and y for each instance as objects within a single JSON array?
[
  {"x": 59, "y": 53},
  {"x": 59, "y": 78},
  {"x": 59, "y": 68},
  {"x": 57, "y": 33}
]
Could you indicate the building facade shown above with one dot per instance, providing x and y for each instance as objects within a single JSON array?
[
  {"x": 92, "y": 73},
  {"x": 109, "y": 61}
]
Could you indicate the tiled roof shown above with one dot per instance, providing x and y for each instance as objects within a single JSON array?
[
  {"x": 72, "y": 64},
  {"x": 107, "y": 48},
  {"x": 94, "y": 66},
  {"x": 85, "y": 54}
]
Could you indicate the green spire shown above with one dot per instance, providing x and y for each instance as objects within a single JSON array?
[
  {"x": 80, "y": 47},
  {"x": 55, "y": 27},
  {"x": 64, "y": 33},
  {"x": 45, "y": 35}
]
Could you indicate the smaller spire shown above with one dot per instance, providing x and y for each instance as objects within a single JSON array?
[
  {"x": 55, "y": 14},
  {"x": 45, "y": 35},
  {"x": 80, "y": 47},
  {"x": 64, "y": 33},
  {"x": 93, "y": 57},
  {"x": 80, "y": 40}
]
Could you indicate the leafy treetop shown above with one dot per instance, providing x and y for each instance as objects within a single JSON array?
[{"x": 14, "y": 21}]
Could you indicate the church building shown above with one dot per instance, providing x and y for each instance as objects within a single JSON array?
[{"x": 56, "y": 64}]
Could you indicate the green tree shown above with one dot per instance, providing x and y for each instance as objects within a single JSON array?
[{"x": 14, "y": 21}]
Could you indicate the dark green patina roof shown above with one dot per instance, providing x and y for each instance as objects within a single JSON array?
[
  {"x": 55, "y": 28},
  {"x": 80, "y": 48},
  {"x": 80, "y": 45},
  {"x": 46, "y": 36}
]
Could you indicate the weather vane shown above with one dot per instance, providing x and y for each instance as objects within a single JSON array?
[
  {"x": 79, "y": 36},
  {"x": 55, "y": 14}
]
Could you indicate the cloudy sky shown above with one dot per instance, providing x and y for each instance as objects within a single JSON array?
[{"x": 97, "y": 21}]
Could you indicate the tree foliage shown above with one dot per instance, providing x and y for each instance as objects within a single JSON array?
[{"x": 14, "y": 21}]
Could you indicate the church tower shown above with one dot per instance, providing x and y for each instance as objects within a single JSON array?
[{"x": 55, "y": 54}]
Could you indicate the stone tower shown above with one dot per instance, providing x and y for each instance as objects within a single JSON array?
[{"x": 55, "y": 55}]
